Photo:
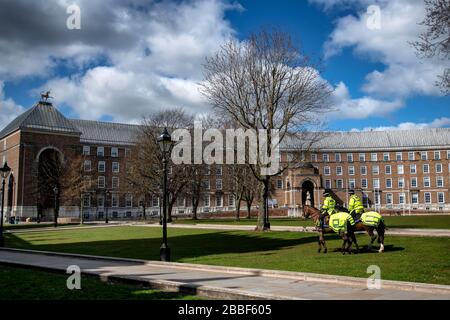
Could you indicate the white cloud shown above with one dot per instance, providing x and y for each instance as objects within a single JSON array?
[
  {"x": 404, "y": 74},
  {"x": 346, "y": 107},
  {"x": 443, "y": 122},
  {"x": 8, "y": 108}
]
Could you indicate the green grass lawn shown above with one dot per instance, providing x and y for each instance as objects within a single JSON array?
[
  {"x": 33, "y": 225},
  {"x": 419, "y": 259},
  {"x": 425, "y": 222},
  {"x": 30, "y": 284}
]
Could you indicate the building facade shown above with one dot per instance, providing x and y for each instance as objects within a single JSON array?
[{"x": 402, "y": 171}]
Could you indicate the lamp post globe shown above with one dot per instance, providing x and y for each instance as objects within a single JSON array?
[
  {"x": 165, "y": 143},
  {"x": 4, "y": 172}
]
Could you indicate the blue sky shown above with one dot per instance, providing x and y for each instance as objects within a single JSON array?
[{"x": 119, "y": 67}]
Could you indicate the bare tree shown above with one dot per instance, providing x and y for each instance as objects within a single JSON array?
[
  {"x": 267, "y": 84},
  {"x": 435, "y": 41},
  {"x": 146, "y": 164}
]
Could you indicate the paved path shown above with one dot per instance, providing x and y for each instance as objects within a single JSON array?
[
  {"x": 225, "y": 282},
  {"x": 393, "y": 231}
]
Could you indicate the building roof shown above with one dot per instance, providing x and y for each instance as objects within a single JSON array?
[
  {"x": 428, "y": 138},
  {"x": 43, "y": 117},
  {"x": 98, "y": 132}
]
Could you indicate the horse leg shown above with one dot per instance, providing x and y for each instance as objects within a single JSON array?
[
  {"x": 356, "y": 242},
  {"x": 372, "y": 237},
  {"x": 380, "y": 232},
  {"x": 320, "y": 241},
  {"x": 345, "y": 239},
  {"x": 349, "y": 244}
]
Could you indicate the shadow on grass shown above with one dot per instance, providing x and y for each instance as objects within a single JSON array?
[{"x": 183, "y": 246}]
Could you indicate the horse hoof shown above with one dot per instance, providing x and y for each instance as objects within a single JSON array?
[
  {"x": 380, "y": 251},
  {"x": 325, "y": 251},
  {"x": 318, "y": 250}
]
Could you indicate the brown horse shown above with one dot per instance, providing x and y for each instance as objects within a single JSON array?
[
  {"x": 348, "y": 237},
  {"x": 359, "y": 226}
]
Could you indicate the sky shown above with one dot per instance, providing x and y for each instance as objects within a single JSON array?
[{"x": 131, "y": 57}]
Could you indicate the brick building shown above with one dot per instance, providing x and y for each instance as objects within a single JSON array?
[{"x": 390, "y": 170}]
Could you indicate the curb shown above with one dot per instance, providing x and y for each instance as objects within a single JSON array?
[{"x": 299, "y": 276}]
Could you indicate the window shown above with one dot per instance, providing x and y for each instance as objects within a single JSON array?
[
  {"x": 437, "y": 155},
  {"x": 352, "y": 184},
  {"x": 207, "y": 170},
  {"x": 441, "y": 198},
  {"x": 155, "y": 201},
  {"x": 401, "y": 183},
  {"x": 365, "y": 199},
  {"x": 101, "y": 182},
  {"x": 218, "y": 170},
  {"x": 231, "y": 200},
  {"x": 373, "y": 157},
  {"x": 424, "y": 155},
  {"x": 206, "y": 200},
  {"x": 339, "y": 170},
  {"x": 364, "y": 183},
  {"x": 362, "y": 157},
  {"x": 129, "y": 201},
  {"x": 438, "y": 167},
  {"x": 86, "y": 150},
  {"x": 440, "y": 182},
  {"x": 328, "y": 184},
  {"x": 375, "y": 170},
  {"x": 426, "y": 182},
  {"x": 413, "y": 169},
  {"x": 427, "y": 197},
  {"x": 388, "y": 169},
  {"x": 289, "y": 157},
  {"x": 87, "y": 165},
  {"x": 219, "y": 200},
  {"x": 448, "y": 154},
  {"x": 386, "y": 156},
  {"x": 115, "y": 182},
  {"x": 339, "y": 184},
  {"x": 114, "y": 152},
  {"x": 401, "y": 198},
  {"x": 337, "y": 157},
  {"x": 399, "y": 156},
  {"x": 426, "y": 168},
  {"x": 414, "y": 182},
  {"x": 100, "y": 201},
  {"x": 389, "y": 199},
  {"x": 100, "y": 151},
  {"x": 376, "y": 183},
  {"x": 127, "y": 152},
  {"x": 325, "y": 157},
  {"x": 87, "y": 182},
  {"x": 279, "y": 184},
  {"x": 313, "y": 157},
  {"x": 101, "y": 166},
  {"x": 326, "y": 171},
  {"x": 218, "y": 184},
  {"x": 363, "y": 170},
  {"x": 114, "y": 200},
  {"x": 415, "y": 198},
  {"x": 115, "y": 167},
  {"x": 389, "y": 183},
  {"x": 350, "y": 157},
  {"x": 87, "y": 200},
  {"x": 351, "y": 170},
  {"x": 400, "y": 169},
  {"x": 206, "y": 184},
  {"x": 411, "y": 156}
]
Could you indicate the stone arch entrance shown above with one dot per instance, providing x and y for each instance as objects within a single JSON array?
[
  {"x": 50, "y": 166},
  {"x": 308, "y": 188}
]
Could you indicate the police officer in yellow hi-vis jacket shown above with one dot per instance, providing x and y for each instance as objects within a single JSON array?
[
  {"x": 355, "y": 206},
  {"x": 329, "y": 204}
]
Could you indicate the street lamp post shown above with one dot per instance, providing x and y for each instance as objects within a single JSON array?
[
  {"x": 4, "y": 174},
  {"x": 165, "y": 142},
  {"x": 55, "y": 191},
  {"x": 108, "y": 193}
]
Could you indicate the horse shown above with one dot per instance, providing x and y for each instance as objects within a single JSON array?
[
  {"x": 347, "y": 237},
  {"x": 359, "y": 226}
]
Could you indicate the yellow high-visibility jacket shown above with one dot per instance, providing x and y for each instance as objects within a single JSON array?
[
  {"x": 355, "y": 204},
  {"x": 338, "y": 221},
  {"x": 329, "y": 204},
  {"x": 371, "y": 218}
]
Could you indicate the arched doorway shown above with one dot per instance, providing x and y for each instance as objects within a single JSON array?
[
  {"x": 308, "y": 191},
  {"x": 49, "y": 176}
]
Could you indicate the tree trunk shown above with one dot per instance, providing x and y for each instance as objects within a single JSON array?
[
  {"x": 249, "y": 208},
  {"x": 143, "y": 212},
  {"x": 238, "y": 209},
  {"x": 264, "y": 191},
  {"x": 194, "y": 209},
  {"x": 169, "y": 211},
  {"x": 81, "y": 212}
]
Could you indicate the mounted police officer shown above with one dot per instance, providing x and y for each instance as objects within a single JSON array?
[
  {"x": 328, "y": 208},
  {"x": 355, "y": 206}
]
